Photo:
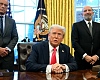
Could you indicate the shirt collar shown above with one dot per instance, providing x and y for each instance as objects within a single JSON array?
[
  {"x": 88, "y": 22},
  {"x": 51, "y": 48}
]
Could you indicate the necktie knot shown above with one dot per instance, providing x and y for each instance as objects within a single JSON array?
[
  {"x": 1, "y": 16},
  {"x": 54, "y": 49},
  {"x": 89, "y": 23}
]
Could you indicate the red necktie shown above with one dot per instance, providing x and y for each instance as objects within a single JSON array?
[{"x": 53, "y": 57}]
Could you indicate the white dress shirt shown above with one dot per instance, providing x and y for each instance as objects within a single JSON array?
[
  {"x": 85, "y": 54},
  {"x": 88, "y": 27},
  {"x": 3, "y": 30},
  {"x": 48, "y": 69}
]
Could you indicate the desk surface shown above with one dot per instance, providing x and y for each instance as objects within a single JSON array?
[{"x": 76, "y": 75}]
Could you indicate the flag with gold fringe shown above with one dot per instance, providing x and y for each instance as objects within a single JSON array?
[{"x": 41, "y": 22}]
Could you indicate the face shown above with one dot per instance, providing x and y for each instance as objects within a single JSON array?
[
  {"x": 87, "y": 13},
  {"x": 55, "y": 36},
  {"x": 3, "y": 6}
]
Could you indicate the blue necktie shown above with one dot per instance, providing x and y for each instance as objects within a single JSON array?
[{"x": 1, "y": 24}]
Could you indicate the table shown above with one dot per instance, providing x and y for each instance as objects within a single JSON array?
[{"x": 75, "y": 75}]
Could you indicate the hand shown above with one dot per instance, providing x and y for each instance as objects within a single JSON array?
[
  {"x": 63, "y": 67},
  {"x": 3, "y": 52},
  {"x": 88, "y": 58},
  {"x": 94, "y": 59},
  {"x": 57, "y": 68}
]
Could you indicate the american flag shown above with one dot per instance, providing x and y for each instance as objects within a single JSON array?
[{"x": 9, "y": 10}]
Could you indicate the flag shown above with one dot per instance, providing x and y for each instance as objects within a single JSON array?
[
  {"x": 9, "y": 10},
  {"x": 41, "y": 21}
]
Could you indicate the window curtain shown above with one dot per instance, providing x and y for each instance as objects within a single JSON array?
[{"x": 61, "y": 12}]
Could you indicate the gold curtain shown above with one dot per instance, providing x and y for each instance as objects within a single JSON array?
[{"x": 61, "y": 12}]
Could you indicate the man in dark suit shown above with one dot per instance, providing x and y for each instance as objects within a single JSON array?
[
  {"x": 40, "y": 57},
  {"x": 8, "y": 38},
  {"x": 86, "y": 41}
]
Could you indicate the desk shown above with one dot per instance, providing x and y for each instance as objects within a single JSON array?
[{"x": 76, "y": 75}]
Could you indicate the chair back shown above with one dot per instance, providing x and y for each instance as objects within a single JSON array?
[{"x": 24, "y": 50}]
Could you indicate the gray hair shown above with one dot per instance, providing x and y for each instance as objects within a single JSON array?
[{"x": 58, "y": 26}]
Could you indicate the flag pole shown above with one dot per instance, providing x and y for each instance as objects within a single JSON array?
[{"x": 40, "y": 24}]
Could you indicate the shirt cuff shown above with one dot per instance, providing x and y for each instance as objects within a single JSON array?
[
  {"x": 84, "y": 55},
  {"x": 48, "y": 68},
  {"x": 97, "y": 56},
  {"x": 8, "y": 49},
  {"x": 67, "y": 68}
]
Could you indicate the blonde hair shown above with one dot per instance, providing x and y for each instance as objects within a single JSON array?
[{"x": 58, "y": 26}]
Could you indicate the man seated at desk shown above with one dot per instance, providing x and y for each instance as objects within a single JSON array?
[{"x": 51, "y": 56}]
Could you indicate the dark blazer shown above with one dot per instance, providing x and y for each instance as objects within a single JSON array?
[
  {"x": 39, "y": 57},
  {"x": 83, "y": 42},
  {"x": 9, "y": 39}
]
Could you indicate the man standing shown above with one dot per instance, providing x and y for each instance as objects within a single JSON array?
[
  {"x": 86, "y": 40},
  {"x": 8, "y": 38},
  {"x": 51, "y": 56}
]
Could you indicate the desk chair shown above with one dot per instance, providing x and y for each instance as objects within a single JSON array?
[{"x": 24, "y": 50}]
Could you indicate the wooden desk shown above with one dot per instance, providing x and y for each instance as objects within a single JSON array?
[{"x": 76, "y": 75}]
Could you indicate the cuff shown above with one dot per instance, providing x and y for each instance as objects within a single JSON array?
[
  {"x": 48, "y": 68},
  {"x": 67, "y": 68},
  {"x": 97, "y": 56},
  {"x": 84, "y": 55},
  {"x": 8, "y": 49}
]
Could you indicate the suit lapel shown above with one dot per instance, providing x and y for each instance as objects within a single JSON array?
[
  {"x": 85, "y": 27},
  {"x": 6, "y": 25},
  {"x": 61, "y": 54},
  {"x": 94, "y": 28},
  {"x": 0, "y": 34},
  {"x": 46, "y": 52}
]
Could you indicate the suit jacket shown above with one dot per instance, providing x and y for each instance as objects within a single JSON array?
[
  {"x": 10, "y": 37},
  {"x": 39, "y": 57},
  {"x": 83, "y": 42}
]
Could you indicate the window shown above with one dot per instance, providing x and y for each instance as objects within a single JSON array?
[
  {"x": 23, "y": 12},
  {"x": 95, "y": 4}
]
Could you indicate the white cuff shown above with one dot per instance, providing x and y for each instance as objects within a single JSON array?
[
  {"x": 48, "y": 68},
  {"x": 97, "y": 56},
  {"x": 67, "y": 68},
  {"x": 84, "y": 55},
  {"x": 8, "y": 49}
]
